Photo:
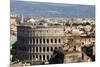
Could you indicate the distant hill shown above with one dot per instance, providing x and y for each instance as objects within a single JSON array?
[{"x": 52, "y": 9}]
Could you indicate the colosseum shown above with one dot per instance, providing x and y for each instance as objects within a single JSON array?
[{"x": 38, "y": 42}]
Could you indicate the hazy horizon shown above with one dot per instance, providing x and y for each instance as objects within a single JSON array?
[{"x": 46, "y": 9}]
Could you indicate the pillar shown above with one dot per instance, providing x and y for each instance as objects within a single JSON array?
[
  {"x": 42, "y": 49},
  {"x": 29, "y": 49},
  {"x": 53, "y": 40},
  {"x": 42, "y": 57},
  {"x": 38, "y": 49},
  {"x": 49, "y": 49},
  {"x": 61, "y": 41},
  {"x": 38, "y": 57},
  {"x": 32, "y": 49},
  {"x": 49, "y": 56},
  {"x": 28, "y": 57},
  {"x": 35, "y": 49},
  {"x": 35, "y": 40},
  {"x": 46, "y": 41},
  {"x": 53, "y": 48},
  {"x": 31, "y": 57},
  {"x": 34, "y": 56},
  {"x": 29, "y": 41},
  {"x": 42, "y": 41},
  {"x": 45, "y": 49},
  {"x": 57, "y": 40},
  {"x": 45, "y": 57}
]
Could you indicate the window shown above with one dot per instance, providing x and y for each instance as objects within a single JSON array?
[
  {"x": 36, "y": 49},
  {"x": 33, "y": 49},
  {"x": 33, "y": 40},
  {"x": 40, "y": 57},
  {"x": 44, "y": 49},
  {"x": 51, "y": 48},
  {"x": 30, "y": 49},
  {"x": 33, "y": 56},
  {"x": 40, "y": 49},
  {"x": 30, "y": 57},
  {"x": 51, "y": 40},
  {"x": 37, "y": 41},
  {"x": 47, "y": 40},
  {"x": 74, "y": 48},
  {"x": 82, "y": 43},
  {"x": 30, "y": 40},
  {"x": 36, "y": 56},
  {"x": 43, "y": 40},
  {"x": 47, "y": 48},
  {"x": 82, "y": 56},
  {"x": 59, "y": 40},
  {"x": 59, "y": 47},
  {"x": 55, "y": 47},
  {"x": 43, "y": 57},
  {"x": 48, "y": 57},
  {"x": 40, "y": 40},
  {"x": 25, "y": 49},
  {"x": 55, "y": 40}
]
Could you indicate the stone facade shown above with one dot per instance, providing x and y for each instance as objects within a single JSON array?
[{"x": 38, "y": 42}]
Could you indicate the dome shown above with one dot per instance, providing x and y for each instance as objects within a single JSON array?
[{"x": 31, "y": 20}]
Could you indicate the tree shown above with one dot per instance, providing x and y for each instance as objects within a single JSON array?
[
  {"x": 58, "y": 56},
  {"x": 67, "y": 24}
]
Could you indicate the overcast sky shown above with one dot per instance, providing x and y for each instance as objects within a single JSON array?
[{"x": 88, "y": 2}]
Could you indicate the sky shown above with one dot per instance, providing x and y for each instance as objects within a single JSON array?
[{"x": 87, "y": 2}]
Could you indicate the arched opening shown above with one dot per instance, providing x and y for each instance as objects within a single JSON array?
[
  {"x": 30, "y": 40},
  {"x": 47, "y": 49},
  {"x": 33, "y": 40},
  {"x": 40, "y": 41},
  {"x": 33, "y": 56},
  {"x": 55, "y": 40},
  {"x": 40, "y": 49},
  {"x": 59, "y": 40},
  {"x": 51, "y": 40},
  {"x": 55, "y": 47},
  {"x": 47, "y": 57},
  {"x": 51, "y": 48},
  {"x": 47, "y": 40},
  {"x": 43, "y": 49},
  {"x": 33, "y": 49},
  {"x": 36, "y": 49},
  {"x": 43, "y": 57},
  {"x": 36, "y": 56},
  {"x": 37, "y": 41},
  {"x": 40, "y": 57},
  {"x": 43, "y": 40}
]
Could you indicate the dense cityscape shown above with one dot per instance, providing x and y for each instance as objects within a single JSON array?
[
  {"x": 44, "y": 33},
  {"x": 42, "y": 40}
]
